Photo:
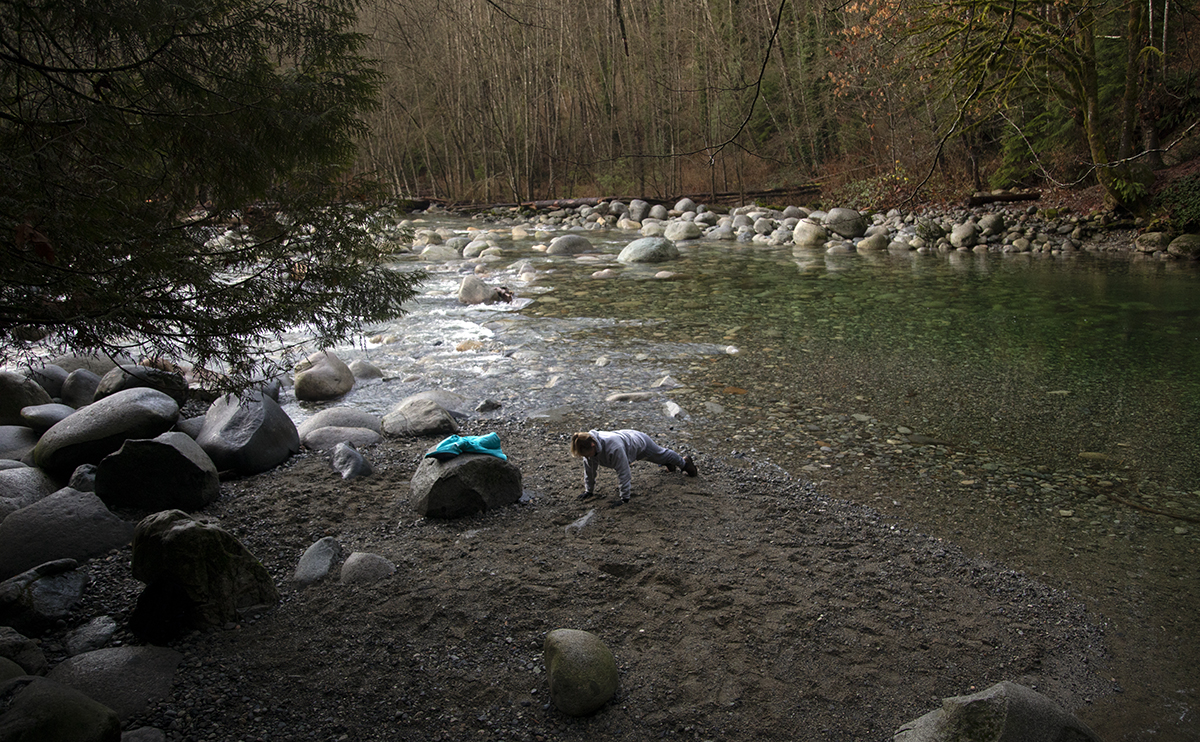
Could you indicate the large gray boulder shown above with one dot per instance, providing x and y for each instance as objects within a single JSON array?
[
  {"x": 17, "y": 392},
  {"x": 66, "y": 525},
  {"x": 964, "y": 235},
  {"x": 649, "y": 250},
  {"x": 1185, "y": 246},
  {"x": 1150, "y": 242},
  {"x": 809, "y": 234},
  {"x": 38, "y": 598},
  {"x": 133, "y": 376},
  {"x": 50, "y": 377},
  {"x": 46, "y": 711},
  {"x": 248, "y": 433},
  {"x": 473, "y": 290},
  {"x": 847, "y": 223},
  {"x": 679, "y": 230},
  {"x": 581, "y": 671},
  {"x": 17, "y": 442},
  {"x": 638, "y": 210},
  {"x": 463, "y": 485},
  {"x": 197, "y": 575},
  {"x": 322, "y": 376},
  {"x": 22, "y": 650},
  {"x": 100, "y": 428},
  {"x": 168, "y": 472},
  {"x": 21, "y": 487},
  {"x": 1005, "y": 712},
  {"x": 128, "y": 680},
  {"x": 419, "y": 416},
  {"x": 569, "y": 244},
  {"x": 79, "y": 388}
]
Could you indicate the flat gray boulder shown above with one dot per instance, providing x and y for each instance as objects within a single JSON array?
[
  {"x": 248, "y": 433},
  {"x": 1005, "y": 712},
  {"x": 133, "y": 376},
  {"x": 42, "y": 417},
  {"x": 419, "y": 416},
  {"x": 65, "y": 525},
  {"x": 38, "y": 598},
  {"x": 463, "y": 485},
  {"x": 100, "y": 428},
  {"x": 21, "y": 487},
  {"x": 170, "y": 471},
  {"x": 322, "y": 376},
  {"x": 341, "y": 417},
  {"x": 17, "y": 442},
  {"x": 325, "y": 439},
  {"x": 41, "y": 709},
  {"x": 570, "y": 244},
  {"x": 364, "y": 568},
  {"x": 649, "y": 250},
  {"x": 128, "y": 680},
  {"x": 17, "y": 392},
  {"x": 197, "y": 575}
]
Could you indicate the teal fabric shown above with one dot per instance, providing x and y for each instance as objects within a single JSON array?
[{"x": 456, "y": 445}]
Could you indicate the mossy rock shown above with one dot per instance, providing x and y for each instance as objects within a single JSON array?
[{"x": 581, "y": 670}]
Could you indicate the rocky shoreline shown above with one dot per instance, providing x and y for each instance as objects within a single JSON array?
[{"x": 997, "y": 227}]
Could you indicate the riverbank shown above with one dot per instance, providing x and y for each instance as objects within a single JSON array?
[{"x": 742, "y": 604}]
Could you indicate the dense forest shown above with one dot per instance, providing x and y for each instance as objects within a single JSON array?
[{"x": 510, "y": 100}]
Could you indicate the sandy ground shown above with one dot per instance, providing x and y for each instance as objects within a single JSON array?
[{"x": 740, "y": 604}]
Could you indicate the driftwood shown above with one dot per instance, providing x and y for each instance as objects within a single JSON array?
[{"x": 979, "y": 199}]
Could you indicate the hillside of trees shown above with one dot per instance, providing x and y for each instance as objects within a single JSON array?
[{"x": 498, "y": 100}]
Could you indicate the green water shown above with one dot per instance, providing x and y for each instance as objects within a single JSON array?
[{"x": 1042, "y": 358}]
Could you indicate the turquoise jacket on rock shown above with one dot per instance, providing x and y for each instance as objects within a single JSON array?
[{"x": 456, "y": 445}]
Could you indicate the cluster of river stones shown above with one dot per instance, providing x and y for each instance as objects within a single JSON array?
[
  {"x": 84, "y": 448},
  {"x": 1001, "y": 229}
]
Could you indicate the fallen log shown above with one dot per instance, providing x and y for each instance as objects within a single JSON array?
[{"x": 979, "y": 199}]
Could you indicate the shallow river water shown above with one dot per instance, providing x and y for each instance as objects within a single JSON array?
[{"x": 1055, "y": 361}]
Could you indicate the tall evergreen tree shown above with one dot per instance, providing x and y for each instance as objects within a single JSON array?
[{"x": 134, "y": 132}]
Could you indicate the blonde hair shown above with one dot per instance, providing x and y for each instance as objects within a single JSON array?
[{"x": 581, "y": 442}]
